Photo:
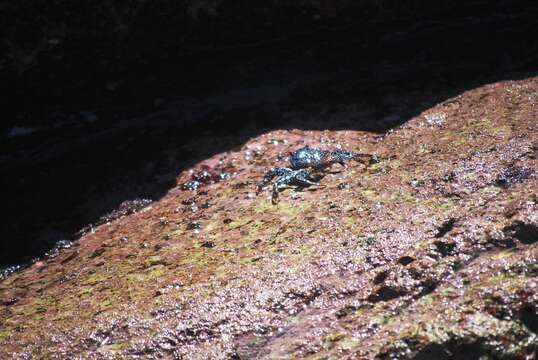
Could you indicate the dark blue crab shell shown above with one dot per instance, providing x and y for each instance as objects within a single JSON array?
[{"x": 307, "y": 157}]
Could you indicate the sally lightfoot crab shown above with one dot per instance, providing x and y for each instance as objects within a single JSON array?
[{"x": 304, "y": 162}]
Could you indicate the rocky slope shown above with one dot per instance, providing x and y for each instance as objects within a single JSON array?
[
  {"x": 429, "y": 253},
  {"x": 73, "y": 161}
]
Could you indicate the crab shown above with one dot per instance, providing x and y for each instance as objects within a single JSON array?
[{"x": 304, "y": 162}]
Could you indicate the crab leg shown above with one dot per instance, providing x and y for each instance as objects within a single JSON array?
[
  {"x": 270, "y": 175},
  {"x": 297, "y": 176},
  {"x": 302, "y": 178}
]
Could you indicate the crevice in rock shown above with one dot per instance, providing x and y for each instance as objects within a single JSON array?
[
  {"x": 529, "y": 317},
  {"x": 524, "y": 232},
  {"x": 306, "y": 297},
  {"x": 445, "y": 248},
  {"x": 405, "y": 260},
  {"x": 433, "y": 351},
  {"x": 427, "y": 287},
  {"x": 505, "y": 242},
  {"x": 385, "y": 293},
  {"x": 380, "y": 277},
  {"x": 445, "y": 228},
  {"x": 452, "y": 351}
]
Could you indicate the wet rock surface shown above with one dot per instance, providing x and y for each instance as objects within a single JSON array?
[
  {"x": 68, "y": 163},
  {"x": 429, "y": 253}
]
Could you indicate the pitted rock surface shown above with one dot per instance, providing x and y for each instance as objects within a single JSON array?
[{"x": 430, "y": 253}]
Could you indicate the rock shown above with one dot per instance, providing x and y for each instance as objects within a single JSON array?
[{"x": 432, "y": 252}]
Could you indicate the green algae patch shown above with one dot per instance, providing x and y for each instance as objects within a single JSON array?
[
  {"x": 503, "y": 254},
  {"x": 370, "y": 194},
  {"x": 251, "y": 230},
  {"x": 154, "y": 260},
  {"x": 291, "y": 210},
  {"x": 441, "y": 204},
  {"x": 94, "y": 279},
  {"x": 5, "y": 334},
  {"x": 155, "y": 272},
  {"x": 388, "y": 320},
  {"x": 449, "y": 202},
  {"x": 423, "y": 149},
  {"x": 503, "y": 130},
  {"x": 262, "y": 206},
  {"x": 395, "y": 164},
  {"x": 97, "y": 253},
  {"x": 349, "y": 174},
  {"x": 491, "y": 189},
  {"x": 240, "y": 222},
  {"x": 105, "y": 305},
  {"x": 485, "y": 123},
  {"x": 38, "y": 307},
  {"x": 349, "y": 344},
  {"x": 354, "y": 225},
  {"x": 85, "y": 291},
  {"x": 377, "y": 166},
  {"x": 210, "y": 226},
  {"x": 404, "y": 196},
  {"x": 375, "y": 197},
  {"x": 176, "y": 233},
  {"x": 449, "y": 292},
  {"x": 110, "y": 349},
  {"x": 332, "y": 339},
  {"x": 460, "y": 141},
  {"x": 427, "y": 299},
  {"x": 303, "y": 251}
]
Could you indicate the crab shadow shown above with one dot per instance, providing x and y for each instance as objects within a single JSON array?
[{"x": 59, "y": 181}]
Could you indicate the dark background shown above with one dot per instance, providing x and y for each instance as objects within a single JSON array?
[{"x": 125, "y": 94}]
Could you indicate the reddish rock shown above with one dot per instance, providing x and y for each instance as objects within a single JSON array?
[{"x": 429, "y": 253}]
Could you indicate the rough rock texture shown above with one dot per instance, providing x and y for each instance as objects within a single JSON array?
[{"x": 430, "y": 253}]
